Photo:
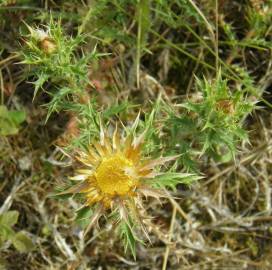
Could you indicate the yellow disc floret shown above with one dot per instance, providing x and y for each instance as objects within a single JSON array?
[{"x": 116, "y": 175}]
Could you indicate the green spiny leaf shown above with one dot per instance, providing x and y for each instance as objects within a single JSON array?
[
  {"x": 128, "y": 238},
  {"x": 172, "y": 179}
]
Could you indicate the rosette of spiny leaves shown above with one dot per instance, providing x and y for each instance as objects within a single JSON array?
[
  {"x": 56, "y": 60},
  {"x": 115, "y": 176},
  {"x": 211, "y": 122}
]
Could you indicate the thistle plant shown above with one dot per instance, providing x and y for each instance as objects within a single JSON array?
[
  {"x": 211, "y": 121},
  {"x": 52, "y": 57},
  {"x": 115, "y": 174},
  {"x": 113, "y": 179},
  {"x": 144, "y": 134}
]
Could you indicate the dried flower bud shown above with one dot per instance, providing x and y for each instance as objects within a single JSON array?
[
  {"x": 48, "y": 45},
  {"x": 45, "y": 42},
  {"x": 225, "y": 106}
]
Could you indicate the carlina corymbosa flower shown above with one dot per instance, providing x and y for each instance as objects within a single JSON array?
[{"x": 114, "y": 179}]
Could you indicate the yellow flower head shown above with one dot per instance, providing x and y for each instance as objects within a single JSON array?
[{"x": 115, "y": 176}]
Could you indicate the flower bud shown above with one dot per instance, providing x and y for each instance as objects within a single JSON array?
[
  {"x": 226, "y": 106},
  {"x": 48, "y": 45},
  {"x": 45, "y": 42}
]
